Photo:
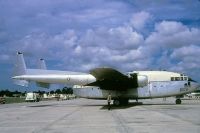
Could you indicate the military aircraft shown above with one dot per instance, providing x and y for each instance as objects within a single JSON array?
[{"x": 100, "y": 82}]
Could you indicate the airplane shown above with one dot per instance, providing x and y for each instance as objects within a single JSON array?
[{"x": 100, "y": 82}]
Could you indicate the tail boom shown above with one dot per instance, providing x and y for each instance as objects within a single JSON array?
[{"x": 65, "y": 79}]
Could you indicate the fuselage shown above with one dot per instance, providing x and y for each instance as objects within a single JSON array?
[{"x": 152, "y": 84}]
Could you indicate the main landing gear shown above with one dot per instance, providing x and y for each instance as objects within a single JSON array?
[
  {"x": 178, "y": 101},
  {"x": 118, "y": 102}
]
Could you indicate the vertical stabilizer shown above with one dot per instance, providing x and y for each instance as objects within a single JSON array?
[
  {"x": 42, "y": 64},
  {"x": 20, "y": 66},
  {"x": 20, "y": 69}
]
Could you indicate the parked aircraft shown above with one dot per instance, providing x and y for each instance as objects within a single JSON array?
[{"x": 100, "y": 82}]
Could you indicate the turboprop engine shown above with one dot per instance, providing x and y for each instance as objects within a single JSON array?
[
  {"x": 139, "y": 80},
  {"x": 142, "y": 80}
]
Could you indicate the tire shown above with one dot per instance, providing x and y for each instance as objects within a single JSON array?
[
  {"x": 124, "y": 101},
  {"x": 178, "y": 101},
  {"x": 116, "y": 102}
]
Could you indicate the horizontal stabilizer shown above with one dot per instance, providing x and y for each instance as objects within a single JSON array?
[
  {"x": 44, "y": 85},
  {"x": 21, "y": 82}
]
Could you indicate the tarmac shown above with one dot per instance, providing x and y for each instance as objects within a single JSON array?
[{"x": 93, "y": 116}]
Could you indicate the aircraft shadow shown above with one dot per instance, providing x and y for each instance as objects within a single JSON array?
[
  {"x": 133, "y": 104},
  {"x": 122, "y": 106},
  {"x": 43, "y": 105}
]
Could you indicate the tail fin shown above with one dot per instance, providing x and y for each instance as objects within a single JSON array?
[
  {"x": 42, "y": 64},
  {"x": 20, "y": 69},
  {"x": 20, "y": 66}
]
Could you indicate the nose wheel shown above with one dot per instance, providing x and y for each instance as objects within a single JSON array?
[{"x": 178, "y": 101}]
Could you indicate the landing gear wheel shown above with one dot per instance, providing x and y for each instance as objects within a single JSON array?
[
  {"x": 116, "y": 102},
  {"x": 178, "y": 101},
  {"x": 124, "y": 101}
]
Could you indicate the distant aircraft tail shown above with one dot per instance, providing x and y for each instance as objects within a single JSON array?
[{"x": 20, "y": 69}]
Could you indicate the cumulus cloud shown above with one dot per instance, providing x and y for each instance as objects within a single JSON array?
[
  {"x": 114, "y": 47},
  {"x": 186, "y": 51},
  {"x": 170, "y": 27},
  {"x": 120, "y": 47},
  {"x": 139, "y": 19},
  {"x": 187, "y": 57},
  {"x": 115, "y": 38},
  {"x": 82, "y": 35},
  {"x": 110, "y": 47},
  {"x": 171, "y": 34}
]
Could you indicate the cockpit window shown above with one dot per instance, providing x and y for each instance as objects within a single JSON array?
[
  {"x": 185, "y": 78},
  {"x": 182, "y": 78}
]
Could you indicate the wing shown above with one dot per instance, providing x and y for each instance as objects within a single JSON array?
[{"x": 111, "y": 79}]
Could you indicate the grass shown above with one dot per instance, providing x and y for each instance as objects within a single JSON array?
[{"x": 14, "y": 100}]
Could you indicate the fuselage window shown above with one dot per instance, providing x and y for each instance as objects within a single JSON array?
[
  {"x": 177, "y": 78},
  {"x": 185, "y": 78}
]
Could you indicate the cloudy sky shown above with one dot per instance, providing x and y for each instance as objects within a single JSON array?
[{"x": 79, "y": 35}]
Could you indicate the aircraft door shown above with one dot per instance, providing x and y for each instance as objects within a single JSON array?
[{"x": 150, "y": 88}]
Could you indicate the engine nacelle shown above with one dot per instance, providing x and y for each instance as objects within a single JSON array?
[{"x": 142, "y": 80}]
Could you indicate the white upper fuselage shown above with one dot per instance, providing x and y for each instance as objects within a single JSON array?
[
  {"x": 76, "y": 78},
  {"x": 160, "y": 75}
]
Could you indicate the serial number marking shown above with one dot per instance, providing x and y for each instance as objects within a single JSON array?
[{"x": 183, "y": 89}]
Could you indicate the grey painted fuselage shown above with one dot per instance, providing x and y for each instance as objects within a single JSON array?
[{"x": 154, "y": 89}]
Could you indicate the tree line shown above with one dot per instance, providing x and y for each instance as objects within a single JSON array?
[{"x": 16, "y": 93}]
